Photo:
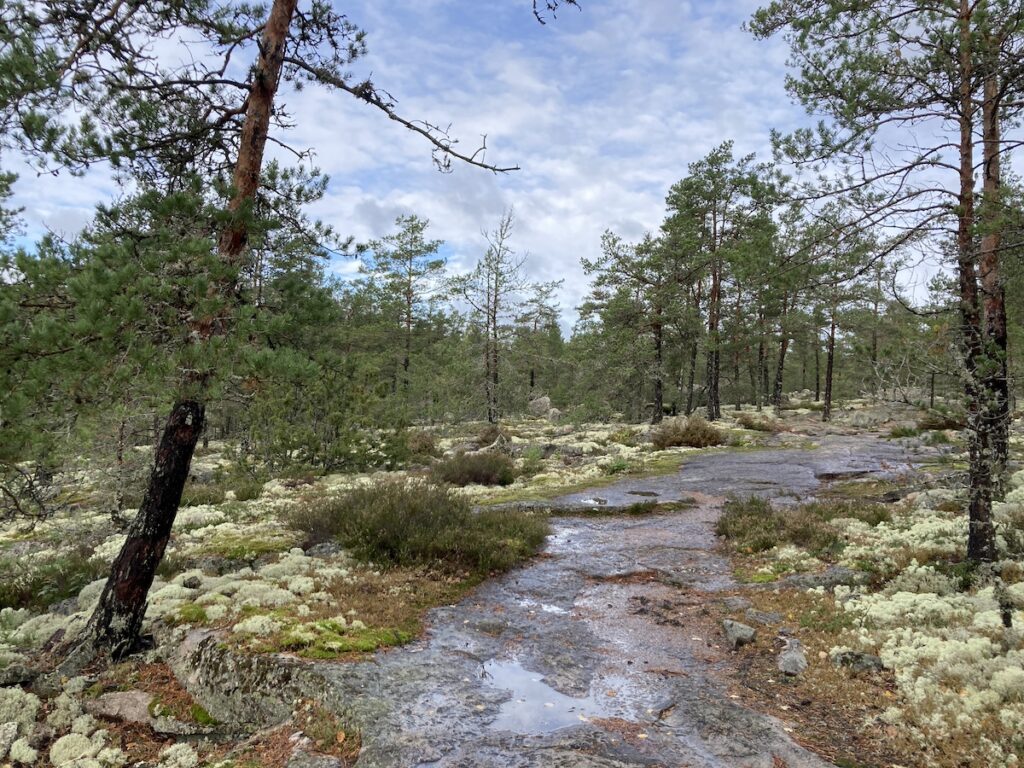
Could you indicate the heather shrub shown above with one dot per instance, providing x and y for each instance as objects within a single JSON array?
[
  {"x": 693, "y": 432},
  {"x": 414, "y": 522},
  {"x": 757, "y": 421},
  {"x": 482, "y": 468}
]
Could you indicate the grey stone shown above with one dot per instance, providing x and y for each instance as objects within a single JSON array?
[
  {"x": 41, "y": 735},
  {"x": 302, "y": 759},
  {"x": 540, "y": 407},
  {"x": 8, "y": 733},
  {"x": 736, "y": 603},
  {"x": 737, "y": 634},
  {"x": 324, "y": 550},
  {"x": 857, "y": 661},
  {"x": 128, "y": 706},
  {"x": 792, "y": 660},
  {"x": 17, "y": 674},
  {"x": 554, "y": 415},
  {"x": 768, "y": 618},
  {"x": 830, "y": 578},
  {"x": 192, "y": 582}
]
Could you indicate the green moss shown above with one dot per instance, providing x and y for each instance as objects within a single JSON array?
[
  {"x": 190, "y": 613},
  {"x": 201, "y": 717}
]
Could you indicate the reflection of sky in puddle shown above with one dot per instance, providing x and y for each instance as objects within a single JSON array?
[{"x": 536, "y": 707}]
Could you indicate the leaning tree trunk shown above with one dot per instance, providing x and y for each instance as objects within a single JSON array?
[
  {"x": 116, "y": 622},
  {"x": 118, "y": 617}
]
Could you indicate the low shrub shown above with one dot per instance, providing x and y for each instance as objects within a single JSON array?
[
  {"x": 489, "y": 435},
  {"x": 750, "y": 524},
  {"x": 754, "y": 525},
  {"x": 629, "y": 436},
  {"x": 942, "y": 419},
  {"x": 413, "y": 522},
  {"x": 481, "y": 468},
  {"x": 533, "y": 461},
  {"x": 421, "y": 444},
  {"x": 758, "y": 422},
  {"x": 693, "y": 432},
  {"x": 898, "y": 432},
  {"x": 39, "y": 585},
  {"x": 196, "y": 494}
]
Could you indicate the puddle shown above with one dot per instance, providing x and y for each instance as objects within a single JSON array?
[
  {"x": 647, "y": 494},
  {"x": 536, "y": 707},
  {"x": 533, "y": 605}
]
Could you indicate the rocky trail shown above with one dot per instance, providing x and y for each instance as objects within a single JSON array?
[{"x": 587, "y": 656}]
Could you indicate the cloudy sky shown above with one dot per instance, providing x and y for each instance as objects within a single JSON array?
[{"x": 602, "y": 108}]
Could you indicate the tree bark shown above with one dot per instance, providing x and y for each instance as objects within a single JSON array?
[
  {"x": 659, "y": 383},
  {"x": 830, "y": 356},
  {"x": 118, "y": 617},
  {"x": 981, "y": 530},
  {"x": 780, "y": 367},
  {"x": 714, "y": 404},
  {"x": 996, "y": 380}
]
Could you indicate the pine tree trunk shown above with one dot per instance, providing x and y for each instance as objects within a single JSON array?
[
  {"x": 118, "y": 617},
  {"x": 691, "y": 377},
  {"x": 830, "y": 356},
  {"x": 996, "y": 381},
  {"x": 817, "y": 367},
  {"x": 981, "y": 530},
  {"x": 714, "y": 405},
  {"x": 780, "y": 367},
  {"x": 658, "y": 379}
]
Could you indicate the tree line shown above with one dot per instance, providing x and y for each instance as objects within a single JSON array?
[{"x": 199, "y": 304}]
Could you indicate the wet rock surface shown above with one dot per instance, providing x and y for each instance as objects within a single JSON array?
[{"x": 569, "y": 661}]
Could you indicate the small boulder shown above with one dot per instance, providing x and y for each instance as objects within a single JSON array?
[
  {"x": 540, "y": 407},
  {"x": 127, "y": 706},
  {"x": 792, "y": 660},
  {"x": 857, "y": 661},
  {"x": 736, "y": 603},
  {"x": 737, "y": 634},
  {"x": 554, "y": 415}
]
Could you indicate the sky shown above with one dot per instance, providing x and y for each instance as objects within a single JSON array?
[{"x": 602, "y": 108}]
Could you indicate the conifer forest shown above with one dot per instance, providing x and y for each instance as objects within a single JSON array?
[{"x": 520, "y": 384}]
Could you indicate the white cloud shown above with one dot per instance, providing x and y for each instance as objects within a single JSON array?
[{"x": 602, "y": 108}]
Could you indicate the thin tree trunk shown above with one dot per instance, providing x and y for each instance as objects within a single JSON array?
[
  {"x": 714, "y": 406},
  {"x": 658, "y": 380},
  {"x": 780, "y": 368},
  {"x": 817, "y": 367},
  {"x": 116, "y": 622},
  {"x": 830, "y": 356},
  {"x": 981, "y": 530}
]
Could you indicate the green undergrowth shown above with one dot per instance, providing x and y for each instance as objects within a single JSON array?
[
  {"x": 751, "y": 525},
  {"x": 488, "y": 468},
  {"x": 414, "y": 522},
  {"x": 637, "y": 509},
  {"x": 692, "y": 432},
  {"x": 39, "y": 585}
]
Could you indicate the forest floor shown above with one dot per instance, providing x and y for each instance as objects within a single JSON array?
[{"x": 607, "y": 650}]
